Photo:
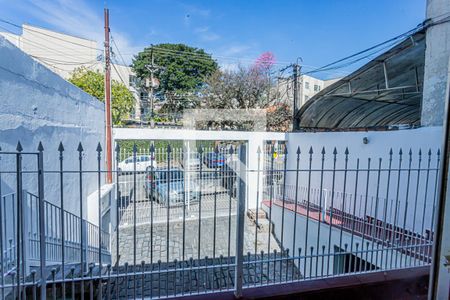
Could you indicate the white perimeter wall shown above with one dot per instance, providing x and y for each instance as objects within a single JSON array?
[
  {"x": 378, "y": 147},
  {"x": 38, "y": 105}
]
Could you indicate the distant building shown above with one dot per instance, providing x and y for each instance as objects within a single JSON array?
[
  {"x": 308, "y": 87},
  {"x": 63, "y": 53}
]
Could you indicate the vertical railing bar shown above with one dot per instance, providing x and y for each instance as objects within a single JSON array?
[
  {"x": 168, "y": 178},
  {"x": 354, "y": 214},
  {"x": 383, "y": 241},
  {"x": 63, "y": 236},
  {"x": 216, "y": 151},
  {"x": 365, "y": 213},
  {"x": 423, "y": 238},
  {"x": 343, "y": 199},
  {"x": 118, "y": 217},
  {"x": 403, "y": 235},
  {"x": 394, "y": 226},
  {"x": 413, "y": 250},
  {"x": 307, "y": 208},
  {"x": 271, "y": 184},
  {"x": 436, "y": 181},
  {"x": 42, "y": 254},
  {"x": 82, "y": 266},
  {"x": 320, "y": 204},
  {"x": 258, "y": 152},
  {"x": 152, "y": 172},
  {"x": 134, "y": 219},
  {"x": 375, "y": 219},
  {"x": 330, "y": 210},
  {"x": 2, "y": 259},
  {"x": 186, "y": 152},
  {"x": 19, "y": 215},
  {"x": 99, "y": 199},
  {"x": 200, "y": 151},
  {"x": 283, "y": 207},
  {"x": 240, "y": 220}
]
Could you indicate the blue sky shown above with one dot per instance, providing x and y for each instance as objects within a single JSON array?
[{"x": 235, "y": 32}]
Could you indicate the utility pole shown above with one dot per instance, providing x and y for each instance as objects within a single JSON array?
[
  {"x": 108, "y": 117},
  {"x": 296, "y": 75},
  {"x": 152, "y": 68},
  {"x": 151, "y": 83}
]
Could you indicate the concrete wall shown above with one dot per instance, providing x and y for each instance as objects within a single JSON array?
[
  {"x": 38, "y": 105},
  {"x": 319, "y": 237},
  {"x": 437, "y": 55},
  {"x": 379, "y": 143},
  {"x": 63, "y": 53}
]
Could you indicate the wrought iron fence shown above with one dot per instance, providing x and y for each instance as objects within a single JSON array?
[{"x": 180, "y": 220}]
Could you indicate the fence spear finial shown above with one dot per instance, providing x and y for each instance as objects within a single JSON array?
[
  {"x": 40, "y": 147},
  {"x": 80, "y": 147},
  {"x": 298, "y": 150},
  {"x": 60, "y": 147},
  {"x": 19, "y": 147},
  {"x": 99, "y": 147}
]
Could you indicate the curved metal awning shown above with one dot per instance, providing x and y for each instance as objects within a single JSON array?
[{"x": 385, "y": 92}]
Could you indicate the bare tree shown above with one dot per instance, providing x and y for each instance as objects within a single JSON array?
[{"x": 245, "y": 88}]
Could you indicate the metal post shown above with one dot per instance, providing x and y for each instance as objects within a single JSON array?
[
  {"x": 240, "y": 220},
  {"x": 438, "y": 286},
  {"x": 82, "y": 230},
  {"x": 108, "y": 115},
  {"x": 2, "y": 289},
  {"x": 41, "y": 220},
  {"x": 296, "y": 75}
]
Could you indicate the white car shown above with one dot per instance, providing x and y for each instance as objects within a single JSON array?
[{"x": 143, "y": 163}]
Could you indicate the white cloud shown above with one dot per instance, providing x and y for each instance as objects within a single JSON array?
[
  {"x": 235, "y": 50},
  {"x": 206, "y": 34}
]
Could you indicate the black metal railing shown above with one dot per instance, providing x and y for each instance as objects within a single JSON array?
[{"x": 181, "y": 221}]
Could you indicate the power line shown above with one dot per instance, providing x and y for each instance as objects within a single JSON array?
[{"x": 409, "y": 32}]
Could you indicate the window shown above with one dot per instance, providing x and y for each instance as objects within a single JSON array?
[
  {"x": 316, "y": 88},
  {"x": 306, "y": 98},
  {"x": 307, "y": 85},
  {"x": 131, "y": 80}
]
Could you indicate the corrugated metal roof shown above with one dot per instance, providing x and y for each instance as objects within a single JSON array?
[{"x": 364, "y": 100}]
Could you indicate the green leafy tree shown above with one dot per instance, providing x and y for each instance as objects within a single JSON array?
[
  {"x": 92, "y": 82},
  {"x": 184, "y": 68}
]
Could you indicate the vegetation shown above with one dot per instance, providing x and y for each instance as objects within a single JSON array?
[
  {"x": 92, "y": 82},
  {"x": 246, "y": 88},
  {"x": 183, "y": 70}
]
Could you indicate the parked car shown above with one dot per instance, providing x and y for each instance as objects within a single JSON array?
[
  {"x": 170, "y": 192},
  {"x": 214, "y": 160},
  {"x": 191, "y": 161},
  {"x": 143, "y": 162}
]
